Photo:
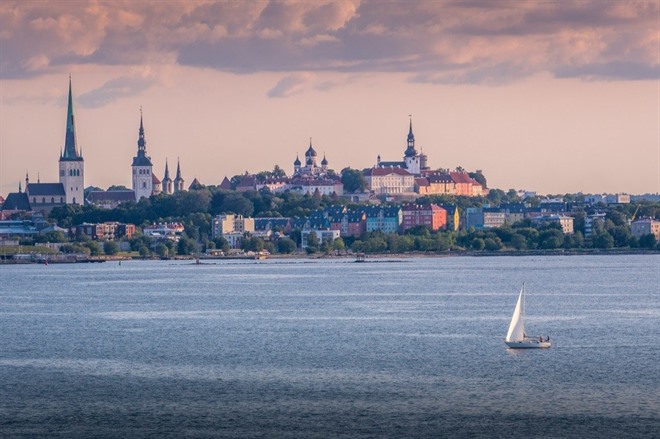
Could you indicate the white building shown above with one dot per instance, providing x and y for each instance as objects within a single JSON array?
[
  {"x": 224, "y": 225},
  {"x": 389, "y": 181}
]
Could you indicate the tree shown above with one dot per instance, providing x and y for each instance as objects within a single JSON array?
[
  {"x": 647, "y": 241},
  {"x": 162, "y": 250},
  {"x": 313, "y": 241},
  {"x": 253, "y": 243},
  {"x": 353, "y": 180},
  {"x": 492, "y": 244},
  {"x": 603, "y": 240},
  {"x": 186, "y": 246},
  {"x": 286, "y": 245},
  {"x": 110, "y": 248},
  {"x": 518, "y": 241},
  {"x": 144, "y": 251},
  {"x": 477, "y": 244},
  {"x": 338, "y": 244},
  {"x": 119, "y": 187},
  {"x": 94, "y": 248},
  {"x": 222, "y": 244},
  {"x": 236, "y": 203},
  {"x": 480, "y": 178}
]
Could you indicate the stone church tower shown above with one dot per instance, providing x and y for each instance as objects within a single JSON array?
[
  {"x": 142, "y": 167},
  {"x": 72, "y": 165}
]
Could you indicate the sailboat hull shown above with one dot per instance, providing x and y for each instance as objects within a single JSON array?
[{"x": 528, "y": 344}]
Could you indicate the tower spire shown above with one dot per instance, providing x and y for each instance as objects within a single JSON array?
[
  {"x": 142, "y": 142},
  {"x": 410, "y": 151},
  {"x": 167, "y": 171},
  {"x": 70, "y": 145},
  {"x": 178, "y": 169}
]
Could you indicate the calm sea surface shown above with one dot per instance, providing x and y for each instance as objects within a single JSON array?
[{"x": 306, "y": 349}]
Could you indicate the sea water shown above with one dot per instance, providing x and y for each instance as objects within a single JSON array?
[{"x": 391, "y": 348}]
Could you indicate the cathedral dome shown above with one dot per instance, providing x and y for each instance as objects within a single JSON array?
[
  {"x": 297, "y": 162},
  {"x": 311, "y": 152}
]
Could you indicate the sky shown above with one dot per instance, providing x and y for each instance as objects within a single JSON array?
[{"x": 548, "y": 96}]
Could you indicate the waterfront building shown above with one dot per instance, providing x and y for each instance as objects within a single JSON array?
[
  {"x": 430, "y": 215},
  {"x": 566, "y": 222},
  {"x": 386, "y": 219},
  {"x": 169, "y": 231},
  {"x": 272, "y": 225},
  {"x": 589, "y": 222},
  {"x": 321, "y": 235},
  {"x": 230, "y": 223},
  {"x": 645, "y": 226},
  {"x": 453, "y": 216},
  {"x": 107, "y": 231}
]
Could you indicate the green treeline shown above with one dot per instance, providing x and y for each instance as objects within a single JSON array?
[{"x": 196, "y": 208}]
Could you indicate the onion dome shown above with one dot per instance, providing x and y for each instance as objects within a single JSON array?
[
  {"x": 324, "y": 162},
  {"x": 297, "y": 162}
]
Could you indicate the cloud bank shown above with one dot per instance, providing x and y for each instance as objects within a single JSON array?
[{"x": 436, "y": 42}]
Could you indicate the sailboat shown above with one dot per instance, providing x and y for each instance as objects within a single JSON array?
[{"x": 516, "y": 338}]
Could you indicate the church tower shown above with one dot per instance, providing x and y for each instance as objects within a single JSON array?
[
  {"x": 410, "y": 157},
  {"x": 142, "y": 167},
  {"x": 167, "y": 181},
  {"x": 178, "y": 180},
  {"x": 72, "y": 165}
]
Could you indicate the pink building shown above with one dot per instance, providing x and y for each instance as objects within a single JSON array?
[{"x": 430, "y": 215}]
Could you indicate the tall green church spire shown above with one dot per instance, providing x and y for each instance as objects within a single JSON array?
[{"x": 71, "y": 151}]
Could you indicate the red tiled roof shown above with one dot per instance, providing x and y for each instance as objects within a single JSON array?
[
  {"x": 154, "y": 179},
  {"x": 422, "y": 181},
  {"x": 420, "y": 207},
  {"x": 461, "y": 177},
  {"x": 440, "y": 178},
  {"x": 226, "y": 184}
]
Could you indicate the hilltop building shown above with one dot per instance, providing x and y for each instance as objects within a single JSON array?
[{"x": 413, "y": 162}]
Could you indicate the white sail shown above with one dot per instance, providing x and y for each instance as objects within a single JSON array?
[{"x": 517, "y": 326}]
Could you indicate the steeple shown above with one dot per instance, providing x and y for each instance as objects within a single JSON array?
[
  {"x": 142, "y": 143},
  {"x": 27, "y": 179},
  {"x": 178, "y": 180},
  {"x": 70, "y": 145},
  {"x": 410, "y": 151},
  {"x": 20, "y": 189},
  {"x": 178, "y": 170},
  {"x": 141, "y": 158},
  {"x": 167, "y": 172}
]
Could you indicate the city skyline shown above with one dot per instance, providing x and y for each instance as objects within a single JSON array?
[{"x": 544, "y": 97}]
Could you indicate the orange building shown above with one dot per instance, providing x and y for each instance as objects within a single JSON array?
[{"x": 430, "y": 215}]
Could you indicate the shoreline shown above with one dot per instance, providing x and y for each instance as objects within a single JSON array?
[{"x": 363, "y": 257}]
